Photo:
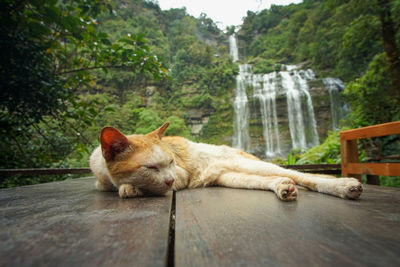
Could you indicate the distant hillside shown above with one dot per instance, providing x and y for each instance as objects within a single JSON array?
[
  {"x": 336, "y": 37},
  {"x": 202, "y": 75}
]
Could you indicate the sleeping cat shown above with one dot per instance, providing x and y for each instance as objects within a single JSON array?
[{"x": 137, "y": 165}]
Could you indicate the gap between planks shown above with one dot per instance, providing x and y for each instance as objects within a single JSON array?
[{"x": 171, "y": 233}]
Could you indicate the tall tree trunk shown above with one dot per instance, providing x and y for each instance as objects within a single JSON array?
[{"x": 389, "y": 42}]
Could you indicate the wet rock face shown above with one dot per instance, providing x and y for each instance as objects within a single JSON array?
[{"x": 197, "y": 118}]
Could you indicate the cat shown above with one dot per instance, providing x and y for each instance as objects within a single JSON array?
[{"x": 152, "y": 164}]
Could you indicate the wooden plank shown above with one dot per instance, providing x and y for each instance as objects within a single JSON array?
[
  {"x": 349, "y": 153},
  {"x": 372, "y": 131},
  {"x": 390, "y": 169},
  {"x": 233, "y": 227},
  {"x": 313, "y": 166},
  {"x": 43, "y": 171},
  {"x": 316, "y": 168},
  {"x": 69, "y": 223}
]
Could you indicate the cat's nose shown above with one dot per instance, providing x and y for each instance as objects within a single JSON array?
[{"x": 169, "y": 181}]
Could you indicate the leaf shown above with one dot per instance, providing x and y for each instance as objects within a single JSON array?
[
  {"x": 106, "y": 41},
  {"x": 52, "y": 13},
  {"x": 38, "y": 29},
  {"x": 109, "y": 108}
]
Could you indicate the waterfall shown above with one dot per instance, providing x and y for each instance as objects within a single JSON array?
[
  {"x": 294, "y": 83},
  {"x": 295, "y": 114},
  {"x": 265, "y": 91},
  {"x": 233, "y": 50},
  {"x": 302, "y": 124},
  {"x": 335, "y": 86},
  {"x": 241, "y": 138},
  {"x": 310, "y": 124}
]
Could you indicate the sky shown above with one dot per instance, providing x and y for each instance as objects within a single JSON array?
[{"x": 222, "y": 12}]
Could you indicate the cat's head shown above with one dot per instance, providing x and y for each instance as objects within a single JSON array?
[{"x": 140, "y": 160}]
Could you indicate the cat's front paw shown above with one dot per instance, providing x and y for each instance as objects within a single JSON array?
[
  {"x": 127, "y": 190},
  {"x": 105, "y": 186},
  {"x": 286, "y": 190},
  {"x": 349, "y": 188}
]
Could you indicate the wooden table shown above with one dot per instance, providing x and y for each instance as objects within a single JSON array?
[{"x": 69, "y": 223}]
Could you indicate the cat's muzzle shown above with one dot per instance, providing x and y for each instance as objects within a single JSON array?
[{"x": 169, "y": 181}]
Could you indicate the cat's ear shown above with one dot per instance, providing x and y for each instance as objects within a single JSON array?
[
  {"x": 159, "y": 133},
  {"x": 113, "y": 142}
]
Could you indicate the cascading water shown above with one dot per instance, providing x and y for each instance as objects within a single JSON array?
[
  {"x": 302, "y": 77},
  {"x": 241, "y": 138},
  {"x": 302, "y": 123},
  {"x": 265, "y": 90},
  {"x": 295, "y": 114},
  {"x": 335, "y": 86},
  {"x": 233, "y": 50}
]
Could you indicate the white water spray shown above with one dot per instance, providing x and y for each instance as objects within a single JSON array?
[
  {"x": 241, "y": 138},
  {"x": 266, "y": 93}
]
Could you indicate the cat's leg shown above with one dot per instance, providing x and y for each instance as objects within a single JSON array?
[
  {"x": 127, "y": 190},
  {"x": 104, "y": 184},
  {"x": 182, "y": 179},
  {"x": 283, "y": 187},
  {"x": 344, "y": 187}
]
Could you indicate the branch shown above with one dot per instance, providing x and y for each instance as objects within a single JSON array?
[{"x": 93, "y": 68}]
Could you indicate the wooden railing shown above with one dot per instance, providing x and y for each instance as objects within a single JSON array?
[
  {"x": 349, "y": 151},
  {"x": 43, "y": 171},
  {"x": 311, "y": 168}
]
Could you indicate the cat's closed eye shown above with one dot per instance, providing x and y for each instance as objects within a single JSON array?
[{"x": 152, "y": 167}]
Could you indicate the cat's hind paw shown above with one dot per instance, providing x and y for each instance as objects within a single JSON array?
[
  {"x": 286, "y": 190},
  {"x": 127, "y": 190},
  {"x": 350, "y": 188}
]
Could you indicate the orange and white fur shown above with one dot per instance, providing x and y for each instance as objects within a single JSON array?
[{"x": 137, "y": 165}]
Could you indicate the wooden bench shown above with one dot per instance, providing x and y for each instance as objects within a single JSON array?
[
  {"x": 349, "y": 151},
  {"x": 69, "y": 223}
]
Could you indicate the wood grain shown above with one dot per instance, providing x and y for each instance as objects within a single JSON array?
[
  {"x": 233, "y": 227},
  {"x": 390, "y": 169},
  {"x": 316, "y": 168},
  {"x": 372, "y": 131},
  {"x": 69, "y": 223},
  {"x": 349, "y": 153}
]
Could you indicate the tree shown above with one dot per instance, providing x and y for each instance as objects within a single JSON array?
[
  {"x": 389, "y": 42},
  {"x": 49, "y": 52},
  {"x": 370, "y": 98}
]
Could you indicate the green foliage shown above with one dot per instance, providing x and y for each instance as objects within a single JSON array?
[
  {"x": 327, "y": 152},
  {"x": 177, "y": 127},
  {"x": 337, "y": 37},
  {"x": 204, "y": 100},
  {"x": 148, "y": 121},
  {"x": 291, "y": 159},
  {"x": 392, "y": 181},
  {"x": 261, "y": 65},
  {"x": 369, "y": 96},
  {"x": 361, "y": 42},
  {"x": 51, "y": 52}
]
